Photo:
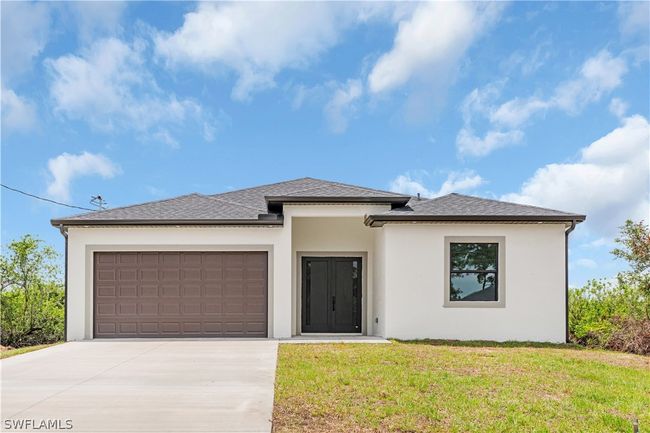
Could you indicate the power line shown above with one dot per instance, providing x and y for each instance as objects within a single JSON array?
[{"x": 45, "y": 199}]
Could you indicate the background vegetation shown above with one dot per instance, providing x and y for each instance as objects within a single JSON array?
[
  {"x": 616, "y": 314},
  {"x": 31, "y": 294}
]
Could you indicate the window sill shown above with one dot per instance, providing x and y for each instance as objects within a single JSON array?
[{"x": 474, "y": 304}]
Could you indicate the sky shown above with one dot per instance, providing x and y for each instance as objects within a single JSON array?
[{"x": 531, "y": 102}]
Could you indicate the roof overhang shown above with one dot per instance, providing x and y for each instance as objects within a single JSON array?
[
  {"x": 392, "y": 200},
  {"x": 380, "y": 220},
  {"x": 276, "y": 220}
]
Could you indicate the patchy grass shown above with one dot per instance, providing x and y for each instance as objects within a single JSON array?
[
  {"x": 459, "y": 387},
  {"x": 9, "y": 352}
]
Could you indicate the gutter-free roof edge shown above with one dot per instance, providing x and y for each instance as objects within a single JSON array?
[
  {"x": 182, "y": 222},
  {"x": 372, "y": 219}
]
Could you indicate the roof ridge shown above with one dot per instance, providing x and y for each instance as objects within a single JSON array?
[
  {"x": 262, "y": 186},
  {"x": 360, "y": 187},
  {"x": 508, "y": 202},
  {"x": 101, "y": 211},
  {"x": 232, "y": 203},
  {"x": 305, "y": 189}
]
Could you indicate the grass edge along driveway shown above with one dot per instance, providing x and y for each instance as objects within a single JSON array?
[
  {"x": 8, "y": 353},
  {"x": 433, "y": 386}
]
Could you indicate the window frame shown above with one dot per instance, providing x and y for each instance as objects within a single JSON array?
[{"x": 500, "y": 271}]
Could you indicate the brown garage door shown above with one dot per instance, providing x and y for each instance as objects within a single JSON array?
[{"x": 180, "y": 294}]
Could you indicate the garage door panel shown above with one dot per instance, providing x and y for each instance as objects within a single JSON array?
[
  {"x": 212, "y": 290},
  {"x": 191, "y": 274},
  {"x": 105, "y": 275},
  {"x": 179, "y": 294},
  {"x": 128, "y": 291},
  {"x": 128, "y": 259},
  {"x": 127, "y": 309},
  {"x": 148, "y": 309},
  {"x": 105, "y": 291},
  {"x": 148, "y": 291},
  {"x": 191, "y": 290},
  {"x": 150, "y": 274},
  {"x": 170, "y": 259},
  {"x": 168, "y": 291}
]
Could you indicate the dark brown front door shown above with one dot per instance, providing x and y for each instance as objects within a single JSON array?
[
  {"x": 180, "y": 294},
  {"x": 331, "y": 294}
]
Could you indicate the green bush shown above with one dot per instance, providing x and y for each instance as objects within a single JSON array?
[
  {"x": 616, "y": 314},
  {"x": 34, "y": 316},
  {"x": 597, "y": 310},
  {"x": 32, "y": 296}
]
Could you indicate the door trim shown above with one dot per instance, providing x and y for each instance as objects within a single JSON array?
[{"x": 364, "y": 285}]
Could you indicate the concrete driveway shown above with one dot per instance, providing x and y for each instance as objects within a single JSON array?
[{"x": 143, "y": 386}]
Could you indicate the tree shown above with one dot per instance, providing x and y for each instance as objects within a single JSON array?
[
  {"x": 31, "y": 293},
  {"x": 634, "y": 241}
]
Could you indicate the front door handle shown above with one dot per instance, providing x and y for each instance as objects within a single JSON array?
[{"x": 333, "y": 303}]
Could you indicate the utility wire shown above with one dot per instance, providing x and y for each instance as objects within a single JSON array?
[{"x": 45, "y": 199}]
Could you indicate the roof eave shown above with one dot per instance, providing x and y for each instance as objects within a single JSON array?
[
  {"x": 172, "y": 222},
  {"x": 380, "y": 220}
]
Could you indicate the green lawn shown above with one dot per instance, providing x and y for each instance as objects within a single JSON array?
[
  {"x": 452, "y": 387},
  {"x": 13, "y": 352}
]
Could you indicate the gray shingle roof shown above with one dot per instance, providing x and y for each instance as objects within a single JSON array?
[
  {"x": 245, "y": 205},
  {"x": 459, "y": 207},
  {"x": 251, "y": 206}
]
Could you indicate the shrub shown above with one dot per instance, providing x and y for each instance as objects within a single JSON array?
[
  {"x": 616, "y": 314},
  {"x": 598, "y": 309},
  {"x": 632, "y": 335},
  {"x": 31, "y": 296}
]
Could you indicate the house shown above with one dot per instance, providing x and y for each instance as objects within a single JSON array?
[{"x": 309, "y": 256}]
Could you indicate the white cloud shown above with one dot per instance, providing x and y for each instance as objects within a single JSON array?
[
  {"x": 25, "y": 29},
  {"x": 634, "y": 18},
  {"x": 472, "y": 145},
  {"x": 460, "y": 181},
  {"x": 599, "y": 242},
  {"x": 517, "y": 111},
  {"x": 431, "y": 41},
  {"x": 409, "y": 184},
  {"x": 597, "y": 76},
  {"x": 165, "y": 137},
  {"x": 66, "y": 167},
  {"x": 609, "y": 182},
  {"x": 586, "y": 263},
  {"x": 412, "y": 183},
  {"x": 258, "y": 40},
  {"x": 97, "y": 18},
  {"x": 341, "y": 106},
  {"x": 618, "y": 107},
  {"x": 18, "y": 113},
  {"x": 109, "y": 86},
  {"x": 528, "y": 61}
]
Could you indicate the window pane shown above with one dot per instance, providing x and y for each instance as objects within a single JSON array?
[
  {"x": 473, "y": 286},
  {"x": 474, "y": 256}
]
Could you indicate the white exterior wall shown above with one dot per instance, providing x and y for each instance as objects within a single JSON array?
[
  {"x": 333, "y": 236},
  {"x": 379, "y": 284},
  {"x": 339, "y": 228},
  {"x": 82, "y": 242},
  {"x": 403, "y": 271},
  {"x": 333, "y": 229},
  {"x": 534, "y": 284}
]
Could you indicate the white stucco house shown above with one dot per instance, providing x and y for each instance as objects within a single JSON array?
[{"x": 309, "y": 256}]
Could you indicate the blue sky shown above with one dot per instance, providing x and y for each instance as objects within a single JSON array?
[{"x": 540, "y": 103}]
